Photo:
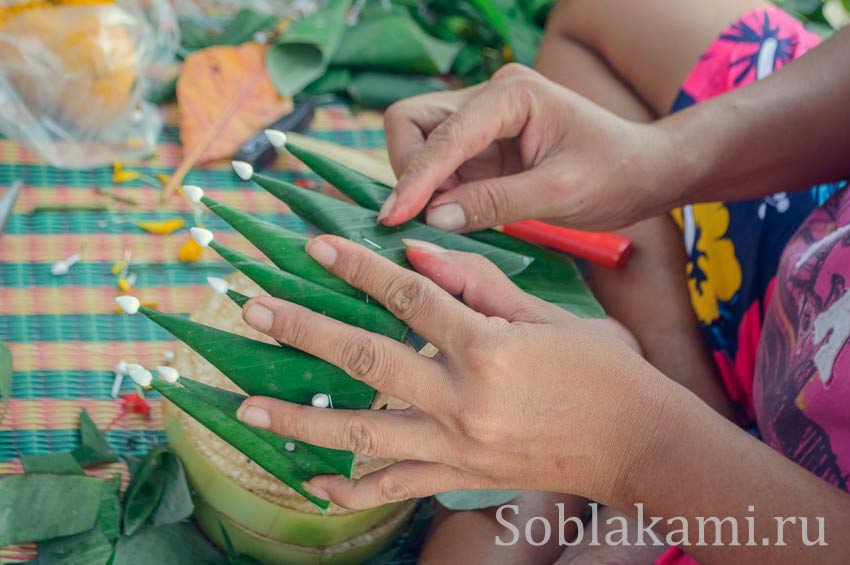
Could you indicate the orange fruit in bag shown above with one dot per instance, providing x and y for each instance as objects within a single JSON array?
[{"x": 73, "y": 64}]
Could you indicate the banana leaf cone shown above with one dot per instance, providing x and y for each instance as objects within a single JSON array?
[
  {"x": 287, "y": 286},
  {"x": 289, "y": 460},
  {"x": 283, "y": 247},
  {"x": 360, "y": 224},
  {"x": 364, "y": 190},
  {"x": 261, "y": 368}
]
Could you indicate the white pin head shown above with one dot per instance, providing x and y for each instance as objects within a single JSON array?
[
  {"x": 320, "y": 400},
  {"x": 276, "y": 137},
  {"x": 289, "y": 446},
  {"x": 243, "y": 170},
  {"x": 121, "y": 368},
  {"x": 170, "y": 374},
  {"x": 195, "y": 193},
  {"x": 139, "y": 374},
  {"x": 130, "y": 304},
  {"x": 218, "y": 285},
  {"x": 202, "y": 236}
]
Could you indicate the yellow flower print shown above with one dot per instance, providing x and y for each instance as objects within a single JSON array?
[{"x": 714, "y": 274}]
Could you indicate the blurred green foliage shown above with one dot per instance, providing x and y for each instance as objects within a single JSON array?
[{"x": 821, "y": 16}]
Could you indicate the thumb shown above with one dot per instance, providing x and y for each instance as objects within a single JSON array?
[
  {"x": 477, "y": 281},
  {"x": 492, "y": 202}
]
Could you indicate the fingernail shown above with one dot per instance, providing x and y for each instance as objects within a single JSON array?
[
  {"x": 318, "y": 492},
  {"x": 254, "y": 416},
  {"x": 321, "y": 252},
  {"x": 423, "y": 245},
  {"x": 449, "y": 217},
  {"x": 259, "y": 317},
  {"x": 388, "y": 206}
]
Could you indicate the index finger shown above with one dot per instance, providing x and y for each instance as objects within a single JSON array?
[
  {"x": 431, "y": 311},
  {"x": 495, "y": 113}
]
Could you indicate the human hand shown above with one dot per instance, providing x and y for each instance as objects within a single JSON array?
[
  {"x": 525, "y": 395},
  {"x": 521, "y": 146}
]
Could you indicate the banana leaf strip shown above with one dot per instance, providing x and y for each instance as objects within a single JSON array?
[
  {"x": 216, "y": 409},
  {"x": 305, "y": 49},
  {"x": 264, "y": 369},
  {"x": 59, "y": 463},
  {"x": 93, "y": 448},
  {"x": 86, "y": 548},
  {"x": 109, "y": 513},
  {"x": 283, "y": 247},
  {"x": 393, "y": 41},
  {"x": 41, "y": 507},
  {"x": 145, "y": 491},
  {"x": 287, "y": 286},
  {"x": 360, "y": 225}
]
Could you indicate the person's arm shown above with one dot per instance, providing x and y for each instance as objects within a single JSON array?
[
  {"x": 785, "y": 132},
  {"x": 522, "y": 147},
  {"x": 589, "y": 417}
]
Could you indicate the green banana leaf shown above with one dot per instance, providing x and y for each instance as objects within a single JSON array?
[
  {"x": 360, "y": 225},
  {"x": 334, "y": 81},
  {"x": 264, "y": 369},
  {"x": 379, "y": 90},
  {"x": 89, "y": 547},
  {"x": 287, "y": 286},
  {"x": 283, "y": 247},
  {"x": 393, "y": 41},
  {"x": 305, "y": 49},
  {"x": 57, "y": 463},
  {"x": 216, "y": 409},
  {"x": 93, "y": 448},
  {"x": 551, "y": 276}
]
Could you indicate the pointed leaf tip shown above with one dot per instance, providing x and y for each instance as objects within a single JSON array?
[
  {"x": 195, "y": 193},
  {"x": 139, "y": 374},
  {"x": 242, "y": 169},
  {"x": 130, "y": 304},
  {"x": 170, "y": 374},
  {"x": 218, "y": 285},
  {"x": 202, "y": 236},
  {"x": 276, "y": 137}
]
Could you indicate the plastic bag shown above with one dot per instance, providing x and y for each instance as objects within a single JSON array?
[{"x": 73, "y": 77}]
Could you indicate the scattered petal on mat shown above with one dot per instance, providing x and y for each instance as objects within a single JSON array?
[
  {"x": 163, "y": 227},
  {"x": 118, "y": 267},
  {"x": 119, "y": 175},
  {"x": 189, "y": 251},
  {"x": 163, "y": 178}
]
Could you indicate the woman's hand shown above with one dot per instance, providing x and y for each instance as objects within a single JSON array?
[
  {"x": 525, "y": 395},
  {"x": 521, "y": 146}
]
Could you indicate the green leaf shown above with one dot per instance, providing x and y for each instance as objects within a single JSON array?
[
  {"x": 243, "y": 26},
  {"x": 176, "y": 503},
  {"x": 176, "y": 544},
  {"x": 287, "y": 286},
  {"x": 145, "y": 491},
  {"x": 5, "y": 372},
  {"x": 216, "y": 409},
  {"x": 360, "y": 225},
  {"x": 40, "y": 507},
  {"x": 284, "y": 248},
  {"x": 475, "y": 499},
  {"x": 551, "y": 276},
  {"x": 379, "y": 90},
  {"x": 109, "y": 513},
  {"x": 93, "y": 448},
  {"x": 334, "y": 81},
  {"x": 87, "y": 548},
  {"x": 60, "y": 463},
  {"x": 304, "y": 51},
  {"x": 392, "y": 41},
  {"x": 264, "y": 369}
]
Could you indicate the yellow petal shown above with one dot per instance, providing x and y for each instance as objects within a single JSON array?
[
  {"x": 163, "y": 178},
  {"x": 119, "y": 175},
  {"x": 118, "y": 267},
  {"x": 189, "y": 251},
  {"x": 123, "y": 285},
  {"x": 163, "y": 227}
]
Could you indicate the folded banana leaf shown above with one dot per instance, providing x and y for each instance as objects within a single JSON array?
[
  {"x": 379, "y": 90},
  {"x": 264, "y": 369},
  {"x": 291, "y": 461},
  {"x": 393, "y": 41},
  {"x": 360, "y": 225},
  {"x": 284, "y": 248},
  {"x": 551, "y": 276},
  {"x": 305, "y": 49},
  {"x": 287, "y": 286}
]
